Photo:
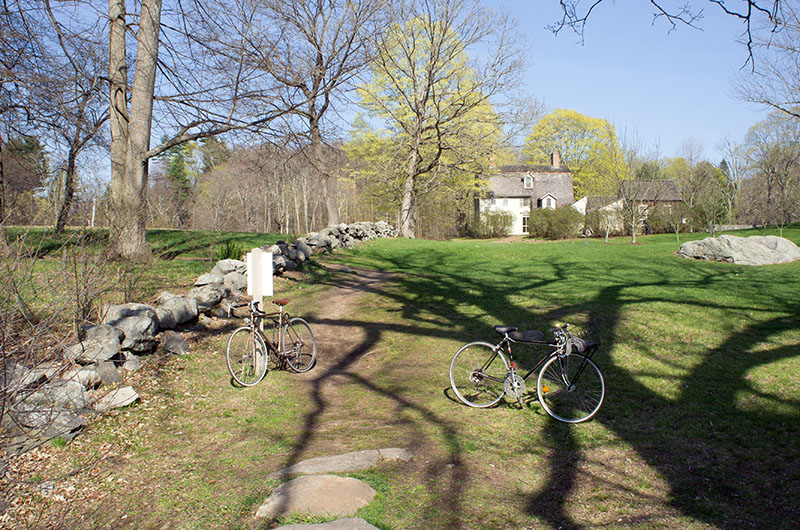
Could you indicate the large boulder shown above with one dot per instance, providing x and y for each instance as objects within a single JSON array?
[
  {"x": 118, "y": 398},
  {"x": 87, "y": 376},
  {"x": 102, "y": 333},
  {"x": 108, "y": 373},
  {"x": 754, "y": 250},
  {"x": 174, "y": 343},
  {"x": 97, "y": 344},
  {"x": 28, "y": 426},
  {"x": 236, "y": 281},
  {"x": 227, "y": 266},
  {"x": 303, "y": 248},
  {"x": 138, "y": 322},
  {"x": 278, "y": 263},
  {"x": 274, "y": 249},
  {"x": 176, "y": 310},
  {"x": 59, "y": 394},
  {"x": 91, "y": 351},
  {"x": 208, "y": 296},
  {"x": 207, "y": 278}
]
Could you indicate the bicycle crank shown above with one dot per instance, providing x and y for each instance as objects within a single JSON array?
[{"x": 514, "y": 386}]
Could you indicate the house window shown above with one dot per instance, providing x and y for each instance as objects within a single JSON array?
[
  {"x": 528, "y": 181},
  {"x": 491, "y": 201},
  {"x": 524, "y": 224},
  {"x": 505, "y": 202},
  {"x": 548, "y": 202},
  {"x": 526, "y": 202}
]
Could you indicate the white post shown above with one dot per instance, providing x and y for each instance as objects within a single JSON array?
[{"x": 259, "y": 275}]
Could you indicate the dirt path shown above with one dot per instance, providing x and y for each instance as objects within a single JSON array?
[
  {"x": 336, "y": 341},
  {"x": 342, "y": 346}
]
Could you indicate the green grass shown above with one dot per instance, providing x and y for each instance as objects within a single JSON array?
[
  {"x": 166, "y": 244},
  {"x": 700, "y": 359},
  {"x": 699, "y": 429}
]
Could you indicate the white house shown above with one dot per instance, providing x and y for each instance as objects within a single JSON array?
[{"x": 520, "y": 188}]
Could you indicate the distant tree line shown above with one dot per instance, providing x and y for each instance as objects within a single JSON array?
[{"x": 243, "y": 96}]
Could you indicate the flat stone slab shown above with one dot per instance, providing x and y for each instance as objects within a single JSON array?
[
  {"x": 351, "y": 523},
  {"x": 355, "y": 461},
  {"x": 321, "y": 495},
  {"x": 116, "y": 399}
]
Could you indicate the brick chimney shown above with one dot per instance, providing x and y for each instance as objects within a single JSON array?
[{"x": 555, "y": 159}]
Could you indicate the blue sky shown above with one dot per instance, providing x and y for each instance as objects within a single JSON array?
[{"x": 666, "y": 87}]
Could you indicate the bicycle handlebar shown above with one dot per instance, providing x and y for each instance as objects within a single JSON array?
[{"x": 253, "y": 307}]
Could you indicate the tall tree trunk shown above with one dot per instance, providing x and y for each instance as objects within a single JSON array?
[
  {"x": 128, "y": 238},
  {"x": 408, "y": 203},
  {"x": 67, "y": 193},
  {"x": 118, "y": 112},
  {"x": 328, "y": 178}
]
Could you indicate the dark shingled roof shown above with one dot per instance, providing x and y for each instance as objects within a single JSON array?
[
  {"x": 649, "y": 190},
  {"x": 522, "y": 168},
  {"x": 557, "y": 181}
]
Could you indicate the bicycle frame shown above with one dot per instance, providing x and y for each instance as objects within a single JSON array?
[
  {"x": 256, "y": 321},
  {"x": 559, "y": 348}
]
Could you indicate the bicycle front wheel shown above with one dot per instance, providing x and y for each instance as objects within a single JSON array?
[
  {"x": 477, "y": 374},
  {"x": 247, "y": 356},
  {"x": 571, "y": 388},
  {"x": 299, "y": 345}
]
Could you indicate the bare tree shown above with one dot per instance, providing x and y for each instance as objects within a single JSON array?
[
  {"x": 735, "y": 170},
  {"x": 641, "y": 183},
  {"x": 197, "y": 76},
  {"x": 71, "y": 93},
  {"x": 774, "y": 80},
  {"x": 774, "y": 155},
  {"x": 20, "y": 60},
  {"x": 323, "y": 44},
  {"x": 752, "y": 13}
]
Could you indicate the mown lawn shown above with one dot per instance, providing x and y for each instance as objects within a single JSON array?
[
  {"x": 702, "y": 365},
  {"x": 699, "y": 429}
]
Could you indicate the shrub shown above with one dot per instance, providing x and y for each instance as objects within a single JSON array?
[
  {"x": 565, "y": 222},
  {"x": 539, "y": 222},
  {"x": 492, "y": 223},
  {"x": 561, "y": 223},
  {"x": 229, "y": 250}
]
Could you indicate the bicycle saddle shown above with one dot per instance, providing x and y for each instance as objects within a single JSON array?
[
  {"x": 281, "y": 301},
  {"x": 520, "y": 336}
]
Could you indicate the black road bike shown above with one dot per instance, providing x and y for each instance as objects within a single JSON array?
[{"x": 569, "y": 386}]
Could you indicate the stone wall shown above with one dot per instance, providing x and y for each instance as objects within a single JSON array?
[{"x": 56, "y": 399}]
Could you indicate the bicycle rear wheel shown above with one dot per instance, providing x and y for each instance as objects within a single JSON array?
[
  {"x": 571, "y": 388},
  {"x": 477, "y": 374},
  {"x": 247, "y": 356},
  {"x": 299, "y": 345}
]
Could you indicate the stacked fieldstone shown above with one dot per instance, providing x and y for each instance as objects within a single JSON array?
[
  {"x": 289, "y": 257},
  {"x": 53, "y": 399}
]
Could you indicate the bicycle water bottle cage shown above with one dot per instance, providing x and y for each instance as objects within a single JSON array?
[
  {"x": 502, "y": 330},
  {"x": 533, "y": 335}
]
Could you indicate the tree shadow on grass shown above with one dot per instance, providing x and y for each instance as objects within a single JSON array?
[{"x": 727, "y": 463}]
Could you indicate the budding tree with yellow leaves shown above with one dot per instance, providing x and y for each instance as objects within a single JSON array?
[
  {"x": 442, "y": 82},
  {"x": 588, "y": 146}
]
